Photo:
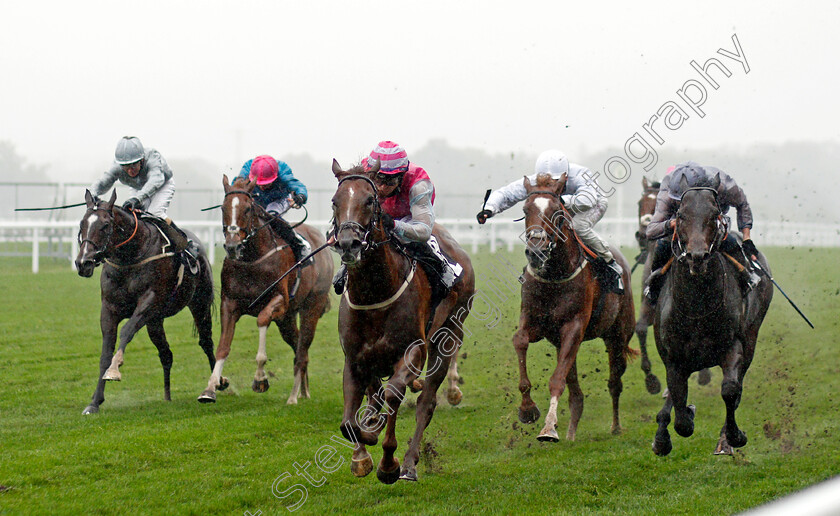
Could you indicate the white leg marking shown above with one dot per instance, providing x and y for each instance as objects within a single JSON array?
[
  {"x": 216, "y": 376},
  {"x": 262, "y": 358}
]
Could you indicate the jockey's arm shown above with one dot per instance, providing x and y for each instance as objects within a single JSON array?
[
  {"x": 507, "y": 196},
  {"x": 661, "y": 222},
  {"x": 154, "y": 181},
  {"x": 106, "y": 181},
  {"x": 418, "y": 227}
]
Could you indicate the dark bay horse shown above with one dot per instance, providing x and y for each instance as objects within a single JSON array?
[
  {"x": 141, "y": 282},
  {"x": 702, "y": 319},
  {"x": 385, "y": 328},
  {"x": 256, "y": 258},
  {"x": 564, "y": 302},
  {"x": 647, "y": 206}
]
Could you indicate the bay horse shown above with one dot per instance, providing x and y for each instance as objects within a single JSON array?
[
  {"x": 564, "y": 301},
  {"x": 255, "y": 258},
  {"x": 702, "y": 318},
  {"x": 142, "y": 282},
  {"x": 387, "y": 327},
  {"x": 647, "y": 207}
]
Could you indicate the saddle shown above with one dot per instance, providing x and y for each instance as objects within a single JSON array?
[{"x": 178, "y": 242}]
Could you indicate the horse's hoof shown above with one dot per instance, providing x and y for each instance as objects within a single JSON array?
[
  {"x": 454, "y": 397},
  {"x": 529, "y": 415},
  {"x": 723, "y": 447},
  {"x": 704, "y": 377},
  {"x": 549, "y": 436},
  {"x": 652, "y": 383},
  {"x": 292, "y": 400},
  {"x": 409, "y": 474},
  {"x": 416, "y": 385},
  {"x": 362, "y": 467},
  {"x": 662, "y": 448},
  {"x": 90, "y": 409},
  {"x": 207, "y": 397},
  {"x": 224, "y": 383},
  {"x": 738, "y": 440},
  {"x": 389, "y": 477},
  {"x": 112, "y": 376},
  {"x": 260, "y": 385},
  {"x": 616, "y": 430}
]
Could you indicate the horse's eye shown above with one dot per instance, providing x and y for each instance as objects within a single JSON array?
[{"x": 369, "y": 201}]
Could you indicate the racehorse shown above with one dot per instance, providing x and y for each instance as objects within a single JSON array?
[
  {"x": 387, "y": 326},
  {"x": 647, "y": 206},
  {"x": 141, "y": 281},
  {"x": 702, "y": 318},
  {"x": 564, "y": 302},
  {"x": 255, "y": 258}
]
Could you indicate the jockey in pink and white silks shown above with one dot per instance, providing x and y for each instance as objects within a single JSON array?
[
  {"x": 407, "y": 195},
  {"x": 582, "y": 197}
]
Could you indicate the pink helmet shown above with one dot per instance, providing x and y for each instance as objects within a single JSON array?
[
  {"x": 670, "y": 169},
  {"x": 392, "y": 158},
  {"x": 264, "y": 169}
]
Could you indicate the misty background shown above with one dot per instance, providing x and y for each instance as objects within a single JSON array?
[{"x": 473, "y": 90}]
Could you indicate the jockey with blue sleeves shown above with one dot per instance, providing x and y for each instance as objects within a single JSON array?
[
  {"x": 277, "y": 191},
  {"x": 581, "y": 196}
]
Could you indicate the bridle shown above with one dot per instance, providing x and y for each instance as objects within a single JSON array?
[
  {"x": 233, "y": 229},
  {"x": 722, "y": 229},
  {"x": 99, "y": 252},
  {"x": 352, "y": 225},
  {"x": 542, "y": 234}
]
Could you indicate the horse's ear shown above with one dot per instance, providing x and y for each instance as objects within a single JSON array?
[
  {"x": 225, "y": 182},
  {"x": 560, "y": 185},
  {"x": 527, "y": 184},
  {"x": 716, "y": 181},
  {"x": 683, "y": 184},
  {"x": 374, "y": 168},
  {"x": 89, "y": 199},
  {"x": 251, "y": 184},
  {"x": 336, "y": 169},
  {"x": 645, "y": 184},
  {"x": 112, "y": 199}
]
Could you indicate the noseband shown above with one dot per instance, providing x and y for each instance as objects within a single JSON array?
[{"x": 677, "y": 247}]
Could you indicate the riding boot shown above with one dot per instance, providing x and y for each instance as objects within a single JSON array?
[
  {"x": 185, "y": 248},
  {"x": 657, "y": 276},
  {"x": 340, "y": 279},
  {"x": 616, "y": 283},
  {"x": 299, "y": 248},
  {"x": 747, "y": 277}
]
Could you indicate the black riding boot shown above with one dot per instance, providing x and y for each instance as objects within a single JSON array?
[
  {"x": 282, "y": 228},
  {"x": 657, "y": 277},
  {"x": 748, "y": 278},
  {"x": 185, "y": 248},
  {"x": 340, "y": 279}
]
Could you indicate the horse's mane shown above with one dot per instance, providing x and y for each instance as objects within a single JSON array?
[
  {"x": 655, "y": 185},
  {"x": 240, "y": 182},
  {"x": 544, "y": 179},
  {"x": 705, "y": 182}
]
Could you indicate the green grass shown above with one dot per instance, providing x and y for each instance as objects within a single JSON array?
[{"x": 141, "y": 455}]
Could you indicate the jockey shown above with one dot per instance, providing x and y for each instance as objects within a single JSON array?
[
  {"x": 277, "y": 191},
  {"x": 582, "y": 197},
  {"x": 408, "y": 196},
  {"x": 729, "y": 194},
  {"x": 150, "y": 181}
]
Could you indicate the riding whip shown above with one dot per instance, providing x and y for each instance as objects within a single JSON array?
[
  {"x": 295, "y": 266},
  {"x": 51, "y": 208},
  {"x": 757, "y": 266}
]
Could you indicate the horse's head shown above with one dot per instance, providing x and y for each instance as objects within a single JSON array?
[
  {"x": 356, "y": 211},
  {"x": 238, "y": 215},
  {"x": 544, "y": 218},
  {"x": 700, "y": 226},
  {"x": 95, "y": 232},
  {"x": 647, "y": 206}
]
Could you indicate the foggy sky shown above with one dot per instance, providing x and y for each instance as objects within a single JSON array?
[{"x": 225, "y": 81}]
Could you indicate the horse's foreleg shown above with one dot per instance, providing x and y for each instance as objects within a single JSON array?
[
  {"x": 730, "y": 390},
  {"x": 427, "y": 401},
  {"x": 528, "y": 411},
  {"x": 678, "y": 392},
  {"x": 566, "y": 354},
  {"x": 229, "y": 314},
  {"x": 137, "y": 320},
  {"x": 158, "y": 338},
  {"x": 357, "y": 426},
  {"x": 201, "y": 309},
  {"x": 108, "y": 325},
  {"x": 652, "y": 383},
  {"x": 388, "y": 470},
  {"x": 273, "y": 311},
  {"x": 662, "y": 439}
]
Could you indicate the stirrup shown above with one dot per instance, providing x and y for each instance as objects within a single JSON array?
[{"x": 340, "y": 280}]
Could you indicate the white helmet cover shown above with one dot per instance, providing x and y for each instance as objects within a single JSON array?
[
  {"x": 552, "y": 162},
  {"x": 129, "y": 150}
]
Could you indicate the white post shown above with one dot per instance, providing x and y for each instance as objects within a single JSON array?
[
  {"x": 74, "y": 251},
  {"x": 211, "y": 246},
  {"x": 492, "y": 238},
  {"x": 35, "y": 250},
  {"x": 476, "y": 233},
  {"x": 510, "y": 236}
]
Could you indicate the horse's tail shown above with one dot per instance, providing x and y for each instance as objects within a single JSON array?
[
  {"x": 629, "y": 353},
  {"x": 327, "y": 306}
]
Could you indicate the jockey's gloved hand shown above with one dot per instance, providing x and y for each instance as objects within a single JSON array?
[
  {"x": 387, "y": 222},
  {"x": 131, "y": 204},
  {"x": 299, "y": 199},
  {"x": 749, "y": 248},
  {"x": 483, "y": 215}
]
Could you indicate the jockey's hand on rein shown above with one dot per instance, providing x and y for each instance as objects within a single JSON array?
[
  {"x": 749, "y": 248},
  {"x": 299, "y": 199},
  {"x": 483, "y": 215},
  {"x": 387, "y": 222},
  {"x": 131, "y": 204}
]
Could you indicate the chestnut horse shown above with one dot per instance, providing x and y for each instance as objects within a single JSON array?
[
  {"x": 564, "y": 302},
  {"x": 256, "y": 258},
  {"x": 142, "y": 282},
  {"x": 647, "y": 206},
  {"x": 387, "y": 327},
  {"x": 702, "y": 318}
]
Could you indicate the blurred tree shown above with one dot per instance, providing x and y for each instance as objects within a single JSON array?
[{"x": 15, "y": 169}]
